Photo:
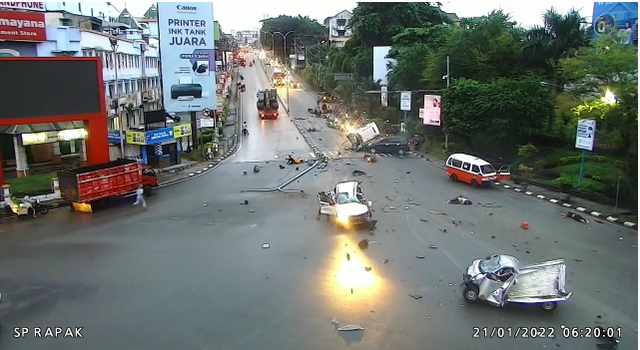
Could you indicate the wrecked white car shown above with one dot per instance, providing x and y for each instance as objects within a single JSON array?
[
  {"x": 498, "y": 280},
  {"x": 346, "y": 204}
]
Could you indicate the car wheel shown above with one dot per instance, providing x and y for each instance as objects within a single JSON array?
[
  {"x": 549, "y": 306},
  {"x": 470, "y": 293},
  {"x": 30, "y": 212},
  {"x": 373, "y": 150},
  {"x": 474, "y": 183},
  {"x": 400, "y": 151},
  {"x": 453, "y": 178}
]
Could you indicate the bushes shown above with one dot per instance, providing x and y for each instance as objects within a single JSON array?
[
  {"x": 527, "y": 151},
  {"x": 578, "y": 158}
]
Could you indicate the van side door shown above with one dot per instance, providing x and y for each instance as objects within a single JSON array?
[{"x": 466, "y": 172}]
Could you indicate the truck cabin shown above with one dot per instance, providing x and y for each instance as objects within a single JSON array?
[{"x": 149, "y": 176}]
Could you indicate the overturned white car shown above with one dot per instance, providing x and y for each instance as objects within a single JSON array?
[{"x": 346, "y": 203}]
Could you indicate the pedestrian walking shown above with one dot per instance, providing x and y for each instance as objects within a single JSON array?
[{"x": 140, "y": 197}]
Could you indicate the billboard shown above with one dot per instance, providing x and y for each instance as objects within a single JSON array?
[
  {"x": 32, "y": 80},
  {"x": 29, "y": 6},
  {"x": 22, "y": 26},
  {"x": 380, "y": 63},
  {"x": 186, "y": 31},
  {"x": 614, "y": 16},
  {"x": 431, "y": 110}
]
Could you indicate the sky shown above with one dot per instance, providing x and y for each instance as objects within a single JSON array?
[{"x": 245, "y": 15}]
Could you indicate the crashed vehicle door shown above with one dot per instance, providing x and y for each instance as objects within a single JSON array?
[
  {"x": 493, "y": 289},
  {"x": 327, "y": 204}
]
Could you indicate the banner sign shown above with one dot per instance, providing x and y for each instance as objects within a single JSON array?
[
  {"x": 29, "y": 6},
  {"x": 585, "y": 134},
  {"x": 181, "y": 130},
  {"x": 188, "y": 56},
  {"x": 158, "y": 136},
  {"x": 384, "y": 96},
  {"x": 611, "y": 17},
  {"x": 430, "y": 114},
  {"x": 22, "y": 26},
  {"x": 113, "y": 136},
  {"x": 405, "y": 101},
  {"x": 135, "y": 137}
]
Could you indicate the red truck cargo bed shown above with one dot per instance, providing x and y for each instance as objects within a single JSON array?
[{"x": 91, "y": 183}]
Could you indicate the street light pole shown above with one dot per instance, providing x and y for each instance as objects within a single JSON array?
[
  {"x": 114, "y": 46},
  {"x": 284, "y": 46},
  {"x": 446, "y": 135}
]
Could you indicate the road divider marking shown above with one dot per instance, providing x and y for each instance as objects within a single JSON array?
[
  {"x": 611, "y": 219},
  {"x": 541, "y": 196},
  {"x": 568, "y": 205},
  {"x": 506, "y": 186},
  {"x": 595, "y": 213},
  {"x": 528, "y": 193},
  {"x": 630, "y": 224},
  {"x": 581, "y": 209},
  {"x": 517, "y": 189},
  {"x": 496, "y": 183}
]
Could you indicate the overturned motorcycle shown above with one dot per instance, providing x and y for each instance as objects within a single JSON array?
[
  {"x": 499, "y": 280},
  {"x": 27, "y": 207}
]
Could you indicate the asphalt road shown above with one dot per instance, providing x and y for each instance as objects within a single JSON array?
[{"x": 190, "y": 271}]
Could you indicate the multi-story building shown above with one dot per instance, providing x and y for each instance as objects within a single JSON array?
[
  {"x": 131, "y": 76},
  {"x": 247, "y": 37},
  {"x": 338, "y": 28}
]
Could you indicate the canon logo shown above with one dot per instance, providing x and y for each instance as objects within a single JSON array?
[{"x": 186, "y": 8}]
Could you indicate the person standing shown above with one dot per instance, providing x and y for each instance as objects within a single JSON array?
[{"x": 140, "y": 197}]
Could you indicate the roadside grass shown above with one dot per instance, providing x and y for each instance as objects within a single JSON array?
[
  {"x": 195, "y": 155},
  {"x": 31, "y": 185}
]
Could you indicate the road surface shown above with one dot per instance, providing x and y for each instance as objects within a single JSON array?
[{"x": 191, "y": 271}]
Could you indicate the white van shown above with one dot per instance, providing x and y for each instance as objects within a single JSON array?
[{"x": 360, "y": 137}]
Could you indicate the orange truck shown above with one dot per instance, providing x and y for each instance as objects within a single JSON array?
[{"x": 98, "y": 184}]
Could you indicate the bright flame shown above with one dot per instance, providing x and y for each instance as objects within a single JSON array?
[
  {"x": 350, "y": 128},
  {"x": 609, "y": 98},
  {"x": 352, "y": 274},
  {"x": 343, "y": 219}
]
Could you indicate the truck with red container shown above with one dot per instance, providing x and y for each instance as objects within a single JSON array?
[{"x": 98, "y": 184}]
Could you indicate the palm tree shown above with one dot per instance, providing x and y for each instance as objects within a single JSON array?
[{"x": 559, "y": 37}]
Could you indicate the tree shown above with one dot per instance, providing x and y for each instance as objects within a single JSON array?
[
  {"x": 507, "y": 111},
  {"x": 308, "y": 30}
]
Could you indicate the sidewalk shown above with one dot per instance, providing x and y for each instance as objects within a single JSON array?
[{"x": 599, "y": 211}]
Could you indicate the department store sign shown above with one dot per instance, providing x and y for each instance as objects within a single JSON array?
[{"x": 29, "y": 6}]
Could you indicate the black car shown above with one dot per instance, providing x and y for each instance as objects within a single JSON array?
[{"x": 397, "y": 145}]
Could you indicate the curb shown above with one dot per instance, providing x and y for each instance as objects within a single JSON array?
[{"x": 596, "y": 214}]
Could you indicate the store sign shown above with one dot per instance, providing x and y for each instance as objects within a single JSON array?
[
  {"x": 29, "y": 6},
  {"x": 53, "y": 136},
  {"x": 149, "y": 137},
  {"x": 135, "y": 137},
  {"x": 22, "y": 26},
  {"x": 188, "y": 56},
  {"x": 181, "y": 130},
  {"x": 114, "y": 136}
]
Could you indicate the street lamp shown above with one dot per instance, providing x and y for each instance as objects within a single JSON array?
[
  {"x": 114, "y": 47},
  {"x": 272, "y": 40},
  {"x": 284, "y": 45}
]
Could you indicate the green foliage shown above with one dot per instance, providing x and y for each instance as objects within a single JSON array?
[
  {"x": 527, "y": 151},
  {"x": 31, "y": 185},
  {"x": 308, "y": 31},
  {"x": 524, "y": 169},
  {"x": 510, "y": 110}
]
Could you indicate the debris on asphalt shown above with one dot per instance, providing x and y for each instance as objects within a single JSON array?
[
  {"x": 471, "y": 232},
  {"x": 358, "y": 173},
  {"x": 415, "y": 296},
  {"x": 524, "y": 225},
  {"x": 620, "y": 238},
  {"x": 348, "y": 257},
  {"x": 334, "y": 321},
  {"x": 460, "y": 200},
  {"x": 322, "y": 166},
  {"x": 347, "y": 163},
  {"x": 419, "y": 256},
  {"x": 406, "y": 207},
  {"x": 297, "y": 168},
  {"x": 363, "y": 244},
  {"x": 578, "y": 260},
  {"x": 281, "y": 166},
  {"x": 494, "y": 237},
  {"x": 490, "y": 205},
  {"x": 219, "y": 210},
  {"x": 385, "y": 261},
  {"x": 354, "y": 327},
  {"x": 204, "y": 204},
  {"x": 251, "y": 210},
  {"x": 244, "y": 173},
  {"x": 436, "y": 212},
  {"x": 490, "y": 214},
  {"x": 397, "y": 180},
  {"x": 443, "y": 230},
  {"x": 265, "y": 245},
  {"x": 453, "y": 221},
  {"x": 424, "y": 220},
  {"x": 433, "y": 246},
  {"x": 256, "y": 168},
  {"x": 608, "y": 342},
  {"x": 367, "y": 268},
  {"x": 594, "y": 250},
  {"x": 408, "y": 172},
  {"x": 598, "y": 221},
  {"x": 528, "y": 252},
  {"x": 245, "y": 202}
]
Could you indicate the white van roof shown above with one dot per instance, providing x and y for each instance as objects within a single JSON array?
[
  {"x": 469, "y": 159},
  {"x": 346, "y": 187}
]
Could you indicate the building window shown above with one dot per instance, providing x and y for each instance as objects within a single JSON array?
[
  {"x": 341, "y": 33},
  {"x": 112, "y": 90},
  {"x": 341, "y": 22},
  {"x": 130, "y": 61},
  {"x": 119, "y": 59}
]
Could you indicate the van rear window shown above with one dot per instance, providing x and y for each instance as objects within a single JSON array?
[{"x": 456, "y": 163}]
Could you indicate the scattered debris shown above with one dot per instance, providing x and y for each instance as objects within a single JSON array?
[
  {"x": 251, "y": 210},
  {"x": 578, "y": 260},
  {"x": 419, "y": 256},
  {"x": 594, "y": 250},
  {"x": 609, "y": 342},
  {"x": 436, "y": 212},
  {"x": 297, "y": 168},
  {"x": 358, "y": 173},
  {"x": 453, "y": 221},
  {"x": 424, "y": 220},
  {"x": 598, "y": 221},
  {"x": 245, "y": 202},
  {"x": 266, "y": 245},
  {"x": 408, "y": 172},
  {"x": 433, "y": 246},
  {"x": 281, "y": 166},
  {"x": 347, "y": 163},
  {"x": 385, "y": 261},
  {"x": 334, "y": 321},
  {"x": 490, "y": 214},
  {"x": 348, "y": 257},
  {"x": 406, "y": 208},
  {"x": 363, "y": 244},
  {"x": 415, "y": 296},
  {"x": 206, "y": 205},
  {"x": 460, "y": 200},
  {"x": 524, "y": 225},
  {"x": 528, "y": 252},
  {"x": 256, "y": 168},
  {"x": 351, "y": 328},
  {"x": 494, "y": 237},
  {"x": 490, "y": 205},
  {"x": 244, "y": 173},
  {"x": 219, "y": 210},
  {"x": 443, "y": 230},
  {"x": 472, "y": 233},
  {"x": 620, "y": 238},
  {"x": 397, "y": 180},
  {"x": 367, "y": 268}
]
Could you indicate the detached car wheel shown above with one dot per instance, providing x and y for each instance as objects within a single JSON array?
[
  {"x": 549, "y": 306},
  {"x": 470, "y": 293}
]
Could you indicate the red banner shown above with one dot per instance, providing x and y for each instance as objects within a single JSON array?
[{"x": 22, "y": 26}]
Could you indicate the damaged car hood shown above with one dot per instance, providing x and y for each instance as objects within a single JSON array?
[{"x": 352, "y": 209}]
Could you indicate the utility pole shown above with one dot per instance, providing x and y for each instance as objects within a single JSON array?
[
  {"x": 114, "y": 46},
  {"x": 446, "y": 135}
]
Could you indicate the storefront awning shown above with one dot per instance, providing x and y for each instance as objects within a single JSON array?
[{"x": 44, "y": 127}]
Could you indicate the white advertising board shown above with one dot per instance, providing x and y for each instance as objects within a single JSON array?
[
  {"x": 585, "y": 134},
  {"x": 187, "y": 55},
  {"x": 405, "y": 101}
]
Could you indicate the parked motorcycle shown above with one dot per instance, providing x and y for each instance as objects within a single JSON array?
[{"x": 27, "y": 207}]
